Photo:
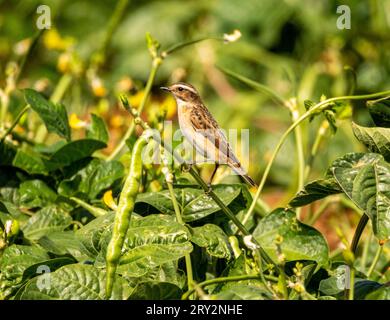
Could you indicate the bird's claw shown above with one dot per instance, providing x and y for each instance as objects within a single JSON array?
[
  {"x": 186, "y": 167},
  {"x": 209, "y": 190}
]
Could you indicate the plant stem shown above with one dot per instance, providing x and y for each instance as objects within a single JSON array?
[
  {"x": 155, "y": 65},
  {"x": 315, "y": 109},
  {"x": 363, "y": 260},
  {"x": 375, "y": 261},
  {"x": 299, "y": 149},
  {"x": 187, "y": 43},
  {"x": 351, "y": 291},
  {"x": 319, "y": 136},
  {"x": 257, "y": 86},
  {"x": 282, "y": 277},
  {"x": 113, "y": 24},
  {"x": 13, "y": 125},
  {"x": 60, "y": 89},
  {"x": 319, "y": 211},
  {"x": 187, "y": 257},
  {"x": 96, "y": 212},
  {"x": 226, "y": 279}
]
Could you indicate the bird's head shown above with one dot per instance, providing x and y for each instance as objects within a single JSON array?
[{"x": 183, "y": 92}]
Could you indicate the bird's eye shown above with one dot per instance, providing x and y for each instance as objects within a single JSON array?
[{"x": 180, "y": 89}]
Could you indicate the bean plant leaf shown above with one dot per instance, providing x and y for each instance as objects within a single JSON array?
[
  {"x": 98, "y": 129},
  {"x": 63, "y": 243},
  {"x": 75, "y": 282},
  {"x": 383, "y": 293},
  {"x": 29, "y": 161},
  {"x": 47, "y": 220},
  {"x": 36, "y": 193},
  {"x": 92, "y": 179},
  {"x": 244, "y": 292},
  {"x": 156, "y": 290},
  {"x": 315, "y": 190},
  {"x": 74, "y": 151},
  {"x": 194, "y": 203},
  {"x": 52, "y": 114},
  {"x": 365, "y": 180},
  {"x": 213, "y": 239},
  {"x": 298, "y": 241},
  {"x": 14, "y": 261},
  {"x": 45, "y": 266},
  {"x": 150, "y": 242},
  {"x": 375, "y": 139},
  {"x": 380, "y": 111}
]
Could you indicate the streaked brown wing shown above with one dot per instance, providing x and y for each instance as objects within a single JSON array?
[{"x": 204, "y": 123}]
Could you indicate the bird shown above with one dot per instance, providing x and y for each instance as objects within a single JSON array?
[{"x": 202, "y": 131}]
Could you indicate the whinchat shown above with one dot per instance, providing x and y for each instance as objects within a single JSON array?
[{"x": 202, "y": 131}]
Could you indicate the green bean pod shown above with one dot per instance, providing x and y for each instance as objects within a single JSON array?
[{"x": 123, "y": 213}]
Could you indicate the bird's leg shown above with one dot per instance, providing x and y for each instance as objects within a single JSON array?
[{"x": 186, "y": 167}]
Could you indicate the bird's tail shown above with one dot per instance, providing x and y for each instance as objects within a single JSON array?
[{"x": 236, "y": 166}]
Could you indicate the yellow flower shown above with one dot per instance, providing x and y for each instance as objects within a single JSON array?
[
  {"x": 53, "y": 40},
  {"x": 98, "y": 87},
  {"x": 135, "y": 100},
  {"x": 109, "y": 200},
  {"x": 116, "y": 121},
  {"x": 76, "y": 123},
  {"x": 125, "y": 84},
  {"x": 169, "y": 104},
  {"x": 63, "y": 63}
]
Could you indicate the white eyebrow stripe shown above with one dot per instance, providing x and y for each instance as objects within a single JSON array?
[{"x": 187, "y": 87}]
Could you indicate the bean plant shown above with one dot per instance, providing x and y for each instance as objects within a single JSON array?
[{"x": 80, "y": 223}]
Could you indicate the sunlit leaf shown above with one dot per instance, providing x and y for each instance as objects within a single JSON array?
[
  {"x": 53, "y": 114},
  {"x": 299, "y": 241}
]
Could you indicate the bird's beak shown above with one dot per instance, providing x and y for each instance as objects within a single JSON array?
[{"x": 165, "y": 89}]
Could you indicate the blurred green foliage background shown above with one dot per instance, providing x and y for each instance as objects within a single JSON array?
[{"x": 291, "y": 46}]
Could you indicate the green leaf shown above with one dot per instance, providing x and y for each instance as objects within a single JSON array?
[
  {"x": 36, "y": 193},
  {"x": 380, "y": 111},
  {"x": 74, "y": 282},
  {"x": 150, "y": 242},
  {"x": 49, "y": 265},
  {"x": 45, "y": 221},
  {"x": 7, "y": 154},
  {"x": 299, "y": 241},
  {"x": 315, "y": 190},
  {"x": 98, "y": 129},
  {"x": 382, "y": 293},
  {"x": 91, "y": 180},
  {"x": 154, "y": 290},
  {"x": 308, "y": 104},
  {"x": 375, "y": 139},
  {"x": 14, "y": 261},
  {"x": 194, "y": 203},
  {"x": 335, "y": 286},
  {"x": 62, "y": 243},
  {"x": 91, "y": 235},
  {"x": 167, "y": 272},
  {"x": 53, "y": 115},
  {"x": 330, "y": 117},
  {"x": 74, "y": 151},
  {"x": 212, "y": 237},
  {"x": 365, "y": 180},
  {"x": 244, "y": 292},
  {"x": 29, "y": 161}
]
